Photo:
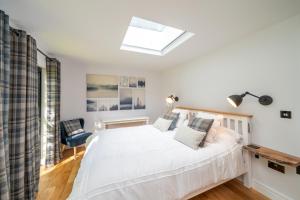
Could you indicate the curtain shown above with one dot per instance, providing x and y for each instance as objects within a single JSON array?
[
  {"x": 4, "y": 92},
  {"x": 19, "y": 116},
  {"x": 24, "y": 117},
  {"x": 53, "y": 151}
]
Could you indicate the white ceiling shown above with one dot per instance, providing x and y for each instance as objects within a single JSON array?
[{"x": 93, "y": 30}]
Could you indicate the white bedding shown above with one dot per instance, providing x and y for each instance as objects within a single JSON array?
[{"x": 144, "y": 163}]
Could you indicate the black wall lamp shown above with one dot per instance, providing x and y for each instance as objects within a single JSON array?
[
  {"x": 236, "y": 100},
  {"x": 172, "y": 99}
]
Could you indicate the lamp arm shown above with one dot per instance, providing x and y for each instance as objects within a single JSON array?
[{"x": 248, "y": 93}]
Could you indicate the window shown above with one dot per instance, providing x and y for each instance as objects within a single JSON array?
[{"x": 149, "y": 37}]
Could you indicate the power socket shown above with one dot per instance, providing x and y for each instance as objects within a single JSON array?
[
  {"x": 277, "y": 167},
  {"x": 286, "y": 114}
]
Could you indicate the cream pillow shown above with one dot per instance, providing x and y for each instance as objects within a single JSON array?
[
  {"x": 189, "y": 136},
  {"x": 162, "y": 124}
]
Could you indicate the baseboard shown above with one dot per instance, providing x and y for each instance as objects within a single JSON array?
[{"x": 268, "y": 191}]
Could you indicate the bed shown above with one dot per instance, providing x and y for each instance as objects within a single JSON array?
[{"x": 144, "y": 163}]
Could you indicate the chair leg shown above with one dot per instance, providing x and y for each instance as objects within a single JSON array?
[
  {"x": 75, "y": 151},
  {"x": 63, "y": 147}
]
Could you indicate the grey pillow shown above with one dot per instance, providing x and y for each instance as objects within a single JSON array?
[
  {"x": 172, "y": 116},
  {"x": 201, "y": 124}
]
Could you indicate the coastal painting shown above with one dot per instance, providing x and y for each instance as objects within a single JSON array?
[
  {"x": 125, "y": 99},
  {"x": 132, "y": 82},
  {"x": 138, "y": 96},
  {"x": 102, "y": 86},
  {"x": 111, "y": 93},
  {"x": 141, "y": 83},
  {"x": 124, "y": 81},
  {"x": 91, "y": 105},
  {"x": 108, "y": 104}
]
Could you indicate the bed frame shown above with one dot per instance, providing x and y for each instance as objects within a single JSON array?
[{"x": 240, "y": 123}]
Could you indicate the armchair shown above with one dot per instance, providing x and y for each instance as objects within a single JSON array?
[{"x": 73, "y": 141}]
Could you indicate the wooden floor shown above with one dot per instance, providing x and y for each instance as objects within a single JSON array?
[{"x": 56, "y": 183}]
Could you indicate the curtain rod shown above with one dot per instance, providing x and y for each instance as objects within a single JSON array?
[
  {"x": 44, "y": 54},
  {"x": 16, "y": 31}
]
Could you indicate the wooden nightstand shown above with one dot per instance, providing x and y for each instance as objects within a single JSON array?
[
  {"x": 275, "y": 157},
  {"x": 127, "y": 122}
]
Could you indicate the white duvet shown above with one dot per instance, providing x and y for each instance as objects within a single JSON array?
[{"x": 144, "y": 163}]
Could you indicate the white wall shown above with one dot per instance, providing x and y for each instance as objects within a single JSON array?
[
  {"x": 265, "y": 63},
  {"x": 73, "y": 92}
]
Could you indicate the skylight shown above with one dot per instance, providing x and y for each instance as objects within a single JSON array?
[{"x": 149, "y": 37}]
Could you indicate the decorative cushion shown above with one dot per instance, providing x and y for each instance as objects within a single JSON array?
[
  {"x": 201, "y": 124},
  {"x": 162, "y": 124},
  {"x": 72, "y": 127},
  {"x": 183, "y": 114},
  {"x": 217, "y": 118},
  {"x": 172, "y": 116},
  {"x": 189, "y": 137}
]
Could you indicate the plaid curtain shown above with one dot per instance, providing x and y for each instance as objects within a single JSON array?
[
  {"x": 53, "y": 152},
  {"x": 24, "y": 122},
  {"x": 4, "y": 92},
  {"x": 19, "y": 114}
]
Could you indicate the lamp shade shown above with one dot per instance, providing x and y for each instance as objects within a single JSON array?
[
  {"x": 235, "y": 100},
  {"x": 171, "y": 99}
]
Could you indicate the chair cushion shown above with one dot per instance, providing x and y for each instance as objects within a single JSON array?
[
  {"x": 72, "y": 127},
  {"x": 78, "y": 139}
]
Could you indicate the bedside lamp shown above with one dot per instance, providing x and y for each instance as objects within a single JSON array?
[
  {"x": 236, "y": 100},
  {"x": 171, "y": 99}
]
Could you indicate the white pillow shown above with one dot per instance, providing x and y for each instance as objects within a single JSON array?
[
  {"x": 227, "y": 135},
  {"x": 189, "y": 136},
  {"x": 182, "y": 116},
  {"x": 162, "y": 124},
  {"x": 211, "y": 136}
]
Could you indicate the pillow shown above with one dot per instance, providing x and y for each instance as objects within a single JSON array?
[
  {"x": 162, "y": 124},
  {"x": 228, "y": 135},
  {"x": 201, "y": 124},
  {"x": 171, "y": 116},
  {"x": 183, "y": 114},
  {"x": 189, "y": 137},
  {"x": 185, "y": 122},
  {"x": 72, "y": 127},
  {"x": 217, "y": 118},
  {"x": 211, "y": 135}
]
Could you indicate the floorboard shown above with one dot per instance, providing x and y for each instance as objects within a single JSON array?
[{"x": 56, "y": 183}]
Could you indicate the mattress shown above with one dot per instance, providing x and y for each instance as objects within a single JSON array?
[{"x": 144, "y": 163}]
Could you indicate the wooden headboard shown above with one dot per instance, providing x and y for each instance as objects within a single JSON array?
[{"x": 238, "y": 122}]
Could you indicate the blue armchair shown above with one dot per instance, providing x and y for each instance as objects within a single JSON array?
[{"x": 74, "y": 140}]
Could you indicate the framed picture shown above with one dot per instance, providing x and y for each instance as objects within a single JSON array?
[
  {"x": 124, "y": 81},
  {"x": 108, "y": 104},
  {"x": 110, "y": 93},
  {"x": 141, "y": 83},
  {"x": 91, "y": 105},
  {"x": 125, "y": 99},
  {"x": 102, "y": 86},
  {"x": 138, "y": 96},
  {"x": 132, "y": 82}
]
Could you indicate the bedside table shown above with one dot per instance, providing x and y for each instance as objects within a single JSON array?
[{"x": 274, "y": 157}]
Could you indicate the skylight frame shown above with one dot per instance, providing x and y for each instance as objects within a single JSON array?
[{"x": 179, "y": 39}]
